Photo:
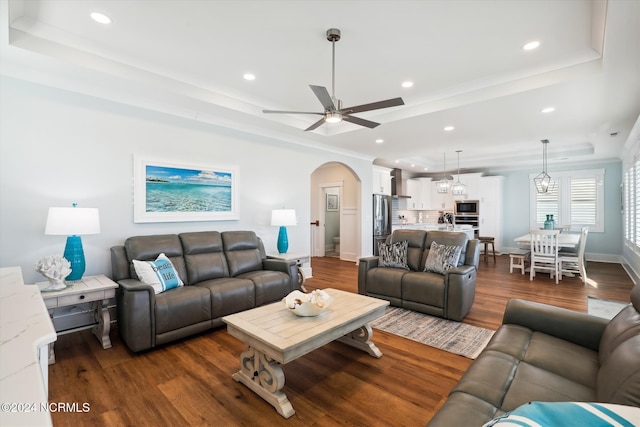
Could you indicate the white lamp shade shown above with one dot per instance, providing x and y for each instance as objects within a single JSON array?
[
  {"x": 72, "y": 221},
  {"x": 283, "y": 217}
]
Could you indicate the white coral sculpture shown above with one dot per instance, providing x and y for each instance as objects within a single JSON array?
[{"x": 55, "y": 268}]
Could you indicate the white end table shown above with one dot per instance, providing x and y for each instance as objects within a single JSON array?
[
  {"x": 95, "y": 289},
  {"x": 303, "y": 261}
]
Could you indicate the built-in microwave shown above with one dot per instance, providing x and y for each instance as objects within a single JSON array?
[{"x": 466, "y": 207}]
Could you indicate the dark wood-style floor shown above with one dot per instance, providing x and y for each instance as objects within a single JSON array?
[{"x": 188, "y": 383}]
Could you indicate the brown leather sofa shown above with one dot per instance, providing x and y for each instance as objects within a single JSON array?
[
  {"x": 223, "y": 273},
  {"x": 549, "y": 354},
  {"x": 448, "y": 295}
]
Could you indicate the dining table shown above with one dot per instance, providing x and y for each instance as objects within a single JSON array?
[{"x": 565, "y": 240}]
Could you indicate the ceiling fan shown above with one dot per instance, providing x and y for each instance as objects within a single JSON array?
[{"x": 333, "y": 111}]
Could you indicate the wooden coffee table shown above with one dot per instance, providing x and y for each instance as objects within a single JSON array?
[{"x": 275, "y": 336}]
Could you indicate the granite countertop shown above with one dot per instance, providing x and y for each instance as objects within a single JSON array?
[{"x": 430, "y": 226}]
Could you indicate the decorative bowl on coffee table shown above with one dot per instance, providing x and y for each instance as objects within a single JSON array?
[{"x": 307, "y": 305}]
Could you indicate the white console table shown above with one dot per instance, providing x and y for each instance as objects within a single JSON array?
[{"x": 25, "y": 334}]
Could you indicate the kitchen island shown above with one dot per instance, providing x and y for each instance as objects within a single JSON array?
[{"x": 470, "y": 231}]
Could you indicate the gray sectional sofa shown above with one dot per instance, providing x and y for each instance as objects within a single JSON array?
[
  {"x": 449, "y": 295},
  {"x": 223, "y": 273},
  {"x": 549, "y": 354}
]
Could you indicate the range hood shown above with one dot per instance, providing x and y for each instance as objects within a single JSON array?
[{"x": 397, "y": 185}]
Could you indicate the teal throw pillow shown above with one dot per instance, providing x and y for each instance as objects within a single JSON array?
[{"x": 562, "y": 414}]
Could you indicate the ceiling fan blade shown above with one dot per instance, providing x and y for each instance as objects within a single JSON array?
[
  {"x": 323, "y": 96},
  {"x": 374, "y": 106},
  {"x": 315, "y": 125},
  {"x": 359, "y": 121},
  {"x": 291, "y": 112}
]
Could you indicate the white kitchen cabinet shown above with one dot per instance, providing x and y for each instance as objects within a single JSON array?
[
  {"x": 491, "y": 190},
  {"x": 424, "y": 190},
  {"x": 441, "y": 202},
  {"x": 412, "y": 189},
  {"x": 381, "y": 180},
  {"x": 420, "y": 191},
  {"x": 472, "y": 182}
]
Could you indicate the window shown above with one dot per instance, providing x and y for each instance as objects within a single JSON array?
[
  {"x": 576, "y": 200},
  {"x": 631, "y": 196}
]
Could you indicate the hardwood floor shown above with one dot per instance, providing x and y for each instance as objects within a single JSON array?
[{"x": 188, "y": 383}]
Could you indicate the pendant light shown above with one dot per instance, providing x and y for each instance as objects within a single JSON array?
[
  {"x": 543, "y": 181},
  {"x": 458, "y": 189},
  {"x": 442, "y": 186}
]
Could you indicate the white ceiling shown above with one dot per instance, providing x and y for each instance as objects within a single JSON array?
[{"x": 187, "y": 58}]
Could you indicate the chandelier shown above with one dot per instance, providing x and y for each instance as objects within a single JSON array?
[
  {"x": 543, "y": 181},
  {"x": 458, "y": 189},
  {"x": 442, "y": 186}
]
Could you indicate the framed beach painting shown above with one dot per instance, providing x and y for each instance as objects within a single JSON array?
[{"x": 171, "y": 192}]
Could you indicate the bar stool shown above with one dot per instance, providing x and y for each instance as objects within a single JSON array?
[{"x": 488, "y": 241}]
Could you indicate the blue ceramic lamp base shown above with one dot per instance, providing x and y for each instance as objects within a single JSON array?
[
  {"x": 283, "y": 240},
  {"x": 74, "y": 253}
]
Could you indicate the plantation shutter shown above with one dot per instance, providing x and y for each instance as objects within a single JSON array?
[
  {"x": 635, "y": 194},
  {"x": 547, "y": 203},
  {"x": 629, "y": 203},
  {"x": 583, "y": 201}
]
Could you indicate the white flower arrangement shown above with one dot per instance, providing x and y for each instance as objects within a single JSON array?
[{"x": 55, "y": 268}]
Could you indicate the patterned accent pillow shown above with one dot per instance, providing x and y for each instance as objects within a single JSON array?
[
  {"x": 560, "y": 414},
  {"x": 393, "y": 254},
  {"x": 441, "y": 258},
  {"x": 160, "y": 274}
]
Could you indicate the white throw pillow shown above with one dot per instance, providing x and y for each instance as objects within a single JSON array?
[{"x": 160, "y": 274}]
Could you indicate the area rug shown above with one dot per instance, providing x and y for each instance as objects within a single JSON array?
[
  {"x": 454, "y": 337},
  {"x": 604, "y": 307}
]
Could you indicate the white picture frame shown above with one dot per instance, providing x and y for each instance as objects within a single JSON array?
[{"x": 178, "y": 192}]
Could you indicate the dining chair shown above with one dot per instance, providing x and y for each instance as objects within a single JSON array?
[
  {"x": 573, "y": 262},
  {"x": 544, "y": 253}
]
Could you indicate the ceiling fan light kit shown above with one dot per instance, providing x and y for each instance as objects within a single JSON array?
[{"x": 333, "y": 111}]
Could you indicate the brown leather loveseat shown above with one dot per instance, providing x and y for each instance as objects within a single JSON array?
[
  {"x": 223, "y": 273},
  {"x": 449, "y": 295}
]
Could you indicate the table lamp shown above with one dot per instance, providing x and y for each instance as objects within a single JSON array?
[
  {"x": 73, "y": 222},
  {"x": 282, "y": 218}
]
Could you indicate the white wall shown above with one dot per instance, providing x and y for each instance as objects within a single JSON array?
[{"x": 58, "y": 147}]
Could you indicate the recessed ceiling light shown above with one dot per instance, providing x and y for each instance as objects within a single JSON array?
[
  {"x": 379, "y": 141},
  {"x": 397, "y": 161},
  {"x": 426, "y": 169},
  {"x": 407, "y": 84},
  {"x": 413, "y": 165},
  {"x": 449, "y": 128},
  {"x": 548, "y": 110},
  {"x": 249, "y": 76},
  {"x": 100, "y": 18},
  {"x": 531, "y": 45}
]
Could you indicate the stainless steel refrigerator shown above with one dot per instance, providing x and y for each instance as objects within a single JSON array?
[{"x": 381, "y": 219}]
